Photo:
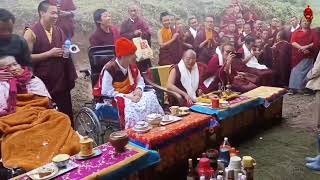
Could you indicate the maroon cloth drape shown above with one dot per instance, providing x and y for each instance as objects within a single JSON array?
[
  {"x": 304, "y": 38},
  {"x": 102, "y": 38}
]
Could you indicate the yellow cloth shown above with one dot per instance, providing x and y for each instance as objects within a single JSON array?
[
  {"x": 123, "y": 87},
  {"x": 34, "y": 134},
  {"x": 31, "y": 34},
  {"x": 166, "y": 34},
  {"x": 263, "y": 92},
  {"x": 209, "y": 37}
]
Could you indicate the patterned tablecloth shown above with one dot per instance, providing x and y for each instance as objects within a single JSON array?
[
  {"x": 110, "y": 166},
  {"x": 236, "y": 106},
  {"x": 164, "y": 135},
  {"x": 266, "y": 94}
]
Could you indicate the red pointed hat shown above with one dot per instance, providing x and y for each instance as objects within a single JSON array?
[{"x": 125, "y": 47}]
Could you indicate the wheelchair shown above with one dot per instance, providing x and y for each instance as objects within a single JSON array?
[{"x": 87, "y": 121}]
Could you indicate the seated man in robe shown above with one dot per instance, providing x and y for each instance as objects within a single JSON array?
[
  {"x": 265, "y": 52},
  {"x": 121, "y": 79},
  {"x": 252, "y": 64},
  {"x": 186, "y": 77},
  {"x": 223, "y": 68},
  {"x": 32, "y": 133},
  {"x": 206, "y": 41},
  {"x": 106, "y": 33},
  {"x": 171, "y": 47}
]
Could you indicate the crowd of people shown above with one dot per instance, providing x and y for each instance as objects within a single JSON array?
[{"x": 238, "y": 51}]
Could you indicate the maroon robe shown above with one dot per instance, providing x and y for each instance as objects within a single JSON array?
[
  {"x": 264, "y": 75},
  {"x": 102, "y": 38},
  {"x": 272, "y": 36},
  {"x": 281, "y": 64},
  {"x": 67, "y": 24},
  {"x": 239, "y": 85},
  {"x": 129, "y": 26},
  {"x": 304, "y": 38},
  {"x": 172, "y": 53},
  {"x": 189, "y": 40},
  {"x": 205, "y": 53},
  {"x": 58, "y": 74}
]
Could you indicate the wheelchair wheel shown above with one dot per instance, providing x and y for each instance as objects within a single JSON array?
[{"x": 88, "y": 124}]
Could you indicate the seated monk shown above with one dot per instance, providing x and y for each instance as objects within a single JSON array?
[
  {"x": 171, "y": 47},
  {"x": 222, "y": 68},
  {"x": 121, "y": 79},
  {"x": 252, "y": 64},
  {"x": 31, "y": 132},
  {"x": 106, "y": 33},
  {"x": 186, "y": 77}
]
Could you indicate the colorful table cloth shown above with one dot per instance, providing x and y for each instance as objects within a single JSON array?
[
  {"x": 111, "y": 166},
  {"x": 236, "y": 106},
  {"x": 266, "y": 94},
  {"x": 164, "y": 135}
]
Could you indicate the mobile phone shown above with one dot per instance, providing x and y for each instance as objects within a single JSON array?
[{"x": 238, "y": 55}]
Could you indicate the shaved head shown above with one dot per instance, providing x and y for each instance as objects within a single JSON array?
[{"x": 189, "y": 52}]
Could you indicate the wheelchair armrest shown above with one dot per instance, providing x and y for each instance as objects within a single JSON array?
[{"x": 177, "y": 96}]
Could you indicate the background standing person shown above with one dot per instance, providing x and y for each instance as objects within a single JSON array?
[
  {"x": 65, "y": 20},
  {"x": 134, "y": 27},
  {"x": 45, "y": 41},
  {"x": 305, "y": 45}
]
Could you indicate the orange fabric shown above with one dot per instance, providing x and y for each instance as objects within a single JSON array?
[
  {"x": 209, "y": 36},
  {"x": 34, "y": 134},
  {"x": 123, "y": 87},
  {"x": 166, "y": 34}
]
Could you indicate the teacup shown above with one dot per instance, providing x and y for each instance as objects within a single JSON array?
[
  {"x": 141, "y": 125},
  {"x": 183, "y": 110},
  {"x": 174, "y": 110}
]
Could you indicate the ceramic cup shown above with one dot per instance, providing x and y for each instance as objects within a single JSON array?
[
  {"x": 86, "y": 146},
  {"x": 183, "y": 110},
  {"x": 174, "y": 110}
]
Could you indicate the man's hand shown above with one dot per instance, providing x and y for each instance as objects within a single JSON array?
[
  {"x": 55, "y": 52},
  {"x": 5, "y": 75},
  {"x": 175, "y": 35},
  {"x": 188, "y": 99},
  {"x": 137, "y": 32}
]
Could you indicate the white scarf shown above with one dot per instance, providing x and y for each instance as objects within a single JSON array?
[
  {"x": 189, "y": 80},
  {"x": 193, "y": 32},
  {"x": 253, "y": 62},
  {"x": 219, "y": 53},
  {"x": 294, "y": 28}
]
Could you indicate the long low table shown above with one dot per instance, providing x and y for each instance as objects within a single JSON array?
[
  {"x": 110, "y": 166},
  {"x": 178, "y": 141}
]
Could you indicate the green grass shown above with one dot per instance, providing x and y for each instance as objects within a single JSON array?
[{"x": 280, "y": 154}]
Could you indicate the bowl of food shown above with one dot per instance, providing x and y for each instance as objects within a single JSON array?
[
  {"x": 119, "y": 140},
  {"x": 61, "y": 160},
  {"x": 154, "y": 119}
]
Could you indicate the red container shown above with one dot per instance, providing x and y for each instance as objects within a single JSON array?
[{"x": 215, "y": 102}]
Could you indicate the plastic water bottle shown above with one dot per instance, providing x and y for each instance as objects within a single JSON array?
[{"x": 66, "y": 46}]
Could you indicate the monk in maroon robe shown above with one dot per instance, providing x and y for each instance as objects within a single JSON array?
[
  {"x": 273, "y": 31},
  {"x": 171, "y": 46},
  {"x": 246, "y": 31},
  {"x": 250, "y": 17},
  {"x": 206, "y": 41},
  {"x": 192, "y": 31},
  {"x": 45, "y": 41},
  {"x": 232, "y": 33},
  {"x": 66, "y": 21},
  {"x": 281, "y": 52},
  {"x": 106, "y": 33},
  {"x": 257, "y": 28},
  {"x": 265, "y": 56},
  {"x": 225, "y": 71}
]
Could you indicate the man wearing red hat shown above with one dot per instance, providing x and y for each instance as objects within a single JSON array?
[{"x": 120, "y": 78}]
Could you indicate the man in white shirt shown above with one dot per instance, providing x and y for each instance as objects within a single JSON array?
[
  {"x": 294, "y": 23},
  {"x": 194, "y": 25},
  {"x": 121, "y": 80}
]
